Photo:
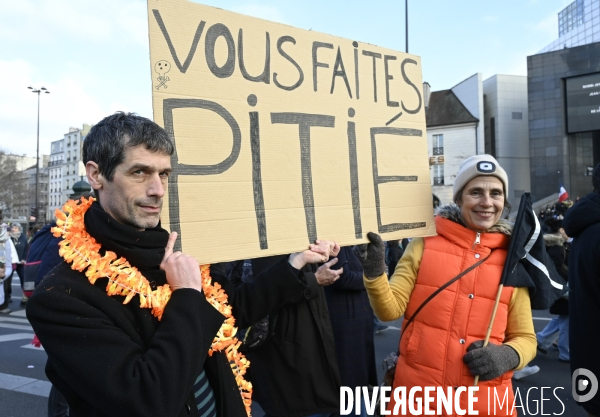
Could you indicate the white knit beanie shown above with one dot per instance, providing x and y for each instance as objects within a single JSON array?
[{"x": 475, "y": 166}]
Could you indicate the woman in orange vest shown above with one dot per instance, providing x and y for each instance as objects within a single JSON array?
[{"x": 442, "y": 347}]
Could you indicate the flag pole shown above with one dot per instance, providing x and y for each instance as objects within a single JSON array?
[
  {"x": 511, "y": 258},
  {"x": 489, "y": 330},
  {"x": 526, "y": 238}
]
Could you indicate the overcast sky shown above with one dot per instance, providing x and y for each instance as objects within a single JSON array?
[{"x": 93, "y": 56}]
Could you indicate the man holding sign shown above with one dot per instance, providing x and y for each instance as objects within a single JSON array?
[{"x": 155, "y": 346}]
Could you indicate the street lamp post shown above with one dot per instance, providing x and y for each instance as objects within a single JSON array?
[{"x": 37, "y": 155}]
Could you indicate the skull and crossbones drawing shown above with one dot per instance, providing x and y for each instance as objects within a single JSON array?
[{"x": 162, "y": 67}]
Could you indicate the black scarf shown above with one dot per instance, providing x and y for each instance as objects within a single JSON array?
[{"x": 144, "y": 250}]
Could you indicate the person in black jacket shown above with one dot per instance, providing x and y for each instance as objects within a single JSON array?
[
  {"x": 113, "y": 359},
  {"x": 42, "y": 257},
  {"x": 582, "y": 223},
  {"x": 394, "y": 253},
  {"x": 352, "y": 322},
  {"x": 295, "y": 373},
  {"x": 554, "y": 241}
]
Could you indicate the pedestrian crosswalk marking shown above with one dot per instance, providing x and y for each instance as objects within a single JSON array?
[
  {"x": 15, "y": 336},
  {"x": 25, "y": 385},
  {"x": 30, "y": 346},
  {"x": 14, "y": 320},
  {"x": 15, "y": 326},
  {"x": 15, "y": 323}
]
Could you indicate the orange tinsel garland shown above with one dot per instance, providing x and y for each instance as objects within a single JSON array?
[{"x": 82, "y": 251}]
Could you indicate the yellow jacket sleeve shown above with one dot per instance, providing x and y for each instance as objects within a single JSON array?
[
  {"x": 389, "y": 299},
  {"x": 520, "y": 334}
]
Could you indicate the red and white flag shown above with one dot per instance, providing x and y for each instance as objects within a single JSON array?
[{"x": 562, "y": 194}]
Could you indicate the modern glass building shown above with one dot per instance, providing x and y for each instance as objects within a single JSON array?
[
  {"x": 563, "y": 83},
  {"x": 578, "y": 24}
]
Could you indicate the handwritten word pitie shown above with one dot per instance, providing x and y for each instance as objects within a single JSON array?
[{"x": 305, "y": 122}]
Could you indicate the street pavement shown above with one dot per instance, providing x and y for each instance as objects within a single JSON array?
[{"x": 24, "y": 387}]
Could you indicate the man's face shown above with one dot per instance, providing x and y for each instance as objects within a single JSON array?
[
  {"x": 135, "y": 195},
  {"x": 14, "y": 230}
]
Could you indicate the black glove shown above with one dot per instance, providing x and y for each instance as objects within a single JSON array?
[
  {"x": 491, "y": 361},
  {"x": 371, "y": 256}
]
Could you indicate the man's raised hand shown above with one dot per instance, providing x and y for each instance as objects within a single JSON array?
[
  {"x": 182, "y": 270},
  {"x": 327, "y": 276},
  {"x": 318, "y": 252}
]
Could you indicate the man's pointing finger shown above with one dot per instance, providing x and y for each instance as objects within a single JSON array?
[{"x": 170, "y": 245}]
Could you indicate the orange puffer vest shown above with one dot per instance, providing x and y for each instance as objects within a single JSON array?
[{"x": 432, "y": 350}]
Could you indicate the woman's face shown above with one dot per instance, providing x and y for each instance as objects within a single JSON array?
[{"x": 482, "y": 202}]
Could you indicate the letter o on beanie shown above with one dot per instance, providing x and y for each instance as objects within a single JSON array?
[{"x": 474, "y": 167}]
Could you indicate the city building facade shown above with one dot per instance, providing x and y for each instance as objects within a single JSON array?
[
  {"x": 55, "y": 167},
  {"x": 578, "y": 24},
  {"x": 452, "y": 133},
  {"x": 24, "y": 207},
  {"x": 507, "y": 130},
  {"x": 73, "y": 168},
  {"x": 564, "y": 104},
  {"x": 476, "y": 117}
]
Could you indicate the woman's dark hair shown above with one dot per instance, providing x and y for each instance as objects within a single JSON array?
[
  {"x": 553, "y": 225},
  {"x": 106, "y": 142}
]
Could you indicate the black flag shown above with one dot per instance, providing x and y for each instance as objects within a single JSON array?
[{"x": 527, "y": 262}]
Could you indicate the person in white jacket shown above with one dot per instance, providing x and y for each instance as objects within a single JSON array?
[{"x": 8, "y": 254}]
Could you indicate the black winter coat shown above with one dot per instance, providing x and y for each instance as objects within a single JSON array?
[
  {"x": 352, "y": 321},
  {"x": 21, "y": 246},
  {"x": 110, "y": 359},
  {"x": 295, "y": 372},
  {"x": 556, "y": 250},
  {"x": 582, "y": 223},
  {"x": 395, "y": 252}
]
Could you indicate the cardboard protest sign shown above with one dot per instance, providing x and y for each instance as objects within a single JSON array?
[{"x": 284, "y": 135}]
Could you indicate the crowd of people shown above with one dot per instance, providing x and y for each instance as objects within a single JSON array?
[
  {"x": 14, "y": 246},
  {"x": 556, "y": 211},
  {"x": 307, "y": 320}
]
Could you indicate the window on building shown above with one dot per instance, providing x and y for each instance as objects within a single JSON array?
[
  {"x": 438, "y": 174},
  {"x": 438, "y": 144},
  {"x": 570, "y": 17},
  {"x": 490, "y": 140},
  {"x": 517, "y": 115}
]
